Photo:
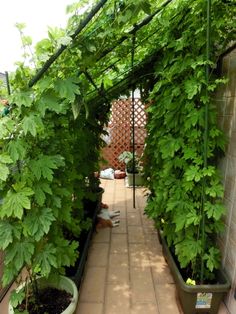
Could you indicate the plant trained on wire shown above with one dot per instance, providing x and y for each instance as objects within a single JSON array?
[
  {"x": 183, "y": 144},
  {"x": 51, "y": 141}
]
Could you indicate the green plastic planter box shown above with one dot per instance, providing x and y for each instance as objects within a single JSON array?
[{"x": 204, "y": 299}]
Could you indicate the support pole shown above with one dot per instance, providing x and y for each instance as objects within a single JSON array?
[
  {"x": 8, "y": 83},
  {"x": 206, "y": 135},
  {"x": 82, "y": 25},
  {"x": 133, "y": 118}
]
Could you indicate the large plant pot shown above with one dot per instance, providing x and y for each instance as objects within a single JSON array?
[
  {"x": 196, "y": 299},
  {"x": 63, "y": 283},
  {"x": 91, "y": 210},
  {"x": 138, "y": 179}
]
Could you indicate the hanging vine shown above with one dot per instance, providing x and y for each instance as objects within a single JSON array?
[{"x": 183, "y": 138}]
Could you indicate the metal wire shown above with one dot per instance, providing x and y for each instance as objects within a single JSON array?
[{"x": 51, "y": 60}]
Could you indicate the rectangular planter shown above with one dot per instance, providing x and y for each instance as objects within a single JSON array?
[
  {"x": 76, "y": 273},
  {"x": 204, "y": 299}
]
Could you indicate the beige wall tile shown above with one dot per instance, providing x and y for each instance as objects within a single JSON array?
[{"x": 226, "y": 102}]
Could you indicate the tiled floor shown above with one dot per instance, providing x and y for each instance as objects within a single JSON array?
[{"x": 126, "y": 272}]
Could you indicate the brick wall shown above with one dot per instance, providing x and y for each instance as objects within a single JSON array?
[{"x": 226, "y": 103}]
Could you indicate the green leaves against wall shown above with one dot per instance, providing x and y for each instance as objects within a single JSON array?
[{"x": 174, "y": 152}]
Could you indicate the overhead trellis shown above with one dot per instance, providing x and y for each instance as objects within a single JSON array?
[
  {"x": 145, "y": 21},
  {"x": 101, "y": 44},
  {"x": 51, "y": 140},
  {"x": 106, "y": 66},
  {"x": 53, "y": 58}
]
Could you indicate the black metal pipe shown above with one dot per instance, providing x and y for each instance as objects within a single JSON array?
[
  {"x": 134, "y": 30},
  {"x": 8, "y": 83},
  {"x": 133, "y": 118},
  {"x": 82, "y": 25}
]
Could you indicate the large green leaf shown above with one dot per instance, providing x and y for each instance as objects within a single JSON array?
[
  {"x": 32, "y": 124},
  {"x": 215, "y": 210},
  {"x": 22, "y": 99},
  {"x": 4, "y": 172},
  {"x": 17, "y": 149},
  {"x": 46, "y": 259},
  {"x": 37, "y": 223},
  {"x": 44, "y": 166},
  {"x": 6, "y": 234},
  {"x": 49, "y": 101},
  {"x": 39, "y": 192},
  {"x": 16, "y": 201},
  {"x": 67, "y": 88},
  {"x": 19, "y": 253}
]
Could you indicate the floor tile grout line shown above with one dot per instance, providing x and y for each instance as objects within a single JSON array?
[
  {"x": 128, "y": 252},
  {"x": 108, "y": 257}
]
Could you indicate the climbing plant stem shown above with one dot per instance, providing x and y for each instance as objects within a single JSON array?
[{"x": 206, "y": 127}]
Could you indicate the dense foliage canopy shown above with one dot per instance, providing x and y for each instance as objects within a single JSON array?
[{"x": 51, "y": 140}]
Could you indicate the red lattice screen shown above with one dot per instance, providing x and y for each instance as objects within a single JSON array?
[{"x": 120, "y": 130}]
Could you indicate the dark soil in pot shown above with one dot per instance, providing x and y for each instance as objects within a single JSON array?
[{"x": 51, "y": 301}]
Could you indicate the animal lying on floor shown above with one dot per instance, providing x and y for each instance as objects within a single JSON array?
[{"x": 105, "y": 218}]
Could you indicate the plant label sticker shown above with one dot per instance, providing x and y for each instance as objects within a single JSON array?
[{"x": 203, "y": 301}]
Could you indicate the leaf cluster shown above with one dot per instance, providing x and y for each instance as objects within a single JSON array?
[{"x": 186, "y": 199}]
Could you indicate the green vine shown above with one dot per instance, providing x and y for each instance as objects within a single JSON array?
[
  {"x": 178, "y": 177},
  {"x": 51, "y": 139}
]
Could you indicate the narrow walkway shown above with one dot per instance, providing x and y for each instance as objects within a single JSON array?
[{"x": 126, "y": 272}]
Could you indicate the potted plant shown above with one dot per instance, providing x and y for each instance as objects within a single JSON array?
[
  {"x": 133, "y": 168},
  {"x": 34, "y": 208},
  {"x": 41, "y": 184}
]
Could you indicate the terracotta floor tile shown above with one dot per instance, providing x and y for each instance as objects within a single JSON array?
[
  {"x": 119, "y": 260},
  {"x": 161, "y": 274},
  {"x": 138, "y": 255},
  {"x": 118, "y": 275},
  {"x": 89, "y": 308},
  {"x": 134, "y": 219},
  {"x": 118, "y": 239},
  {"x": 142, "y": 289},
  {"x": 166, "y": 299},
  {"x": 122, "y": 228},
  {"x": 93, "y": 287},
  {"x": 123, "y": 212},
  {"x": 98, "y": 254},
  {"x": 102, "y": 235},
  {"x": 135, "y": 234},
  {"x": 146, "y": 308},
  {"x": 119, "y": 248},
  {"x": 117, "y": 299},
  {"x": 130, "y": 208}
]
